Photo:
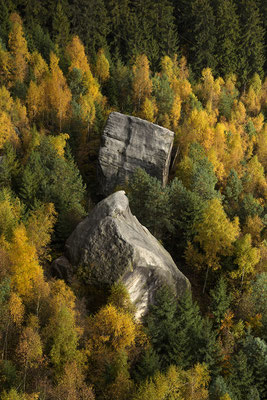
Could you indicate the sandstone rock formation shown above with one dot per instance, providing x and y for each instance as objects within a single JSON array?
[
  {"x": 111, "y": 244},
  {"x": 128, "y": 143}
]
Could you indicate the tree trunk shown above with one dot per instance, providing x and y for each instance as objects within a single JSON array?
[{"x": 206, "y": 278}]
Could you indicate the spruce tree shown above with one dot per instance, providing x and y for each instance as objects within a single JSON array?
[
  {"x": 228, "y": 38},
  {"x": 118, "y": 15},
  {"x": 189, "y": 331},
  {"x": 162, "y": 327},
  {"x": 251, "y": 41},
  {"x": 256, "y": 352},
  {"x": 91, "y": 23},
  {"x": 240, "y": 379},
  {"x": 4, "y": 22},
  {"x": 220, "y": 302},
  {"x": 185, "y": 23},
  {"x": 219, "y": 388},
  {"x": 232, "y": 193},
  {"x": 147, "y": 366},
  {"x": 150, "y": 203},
  {"x": 52, "y": 179},
  {"x": 187, "y": 208},
  {"x": 61, "y": 26},
  {"x": 165, "y": 30},
  {"x": 142, "y": 38},
  {"x": 204, "y": 42},
  {"x": 203, "y": 179}
]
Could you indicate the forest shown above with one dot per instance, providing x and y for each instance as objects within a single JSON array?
[{"x": 198, "y": 68}]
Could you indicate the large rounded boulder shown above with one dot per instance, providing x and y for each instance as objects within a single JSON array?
[{"x": 111, "y": 245}]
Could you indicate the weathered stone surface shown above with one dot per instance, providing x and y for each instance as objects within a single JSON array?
[
  {"x": 61, "y": 268},
  {"x": 128, "y": 143},
  {"x": 111, "y": 244}
]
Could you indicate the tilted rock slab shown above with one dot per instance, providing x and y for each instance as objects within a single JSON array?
[
  {"x": 131, "y": 142},
  {"x": 112, "y": 245}
]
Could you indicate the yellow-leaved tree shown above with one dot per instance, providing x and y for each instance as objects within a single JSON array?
[
  {"x": 111, "y": 335},
  {"x": 26, "y": 274},
  {"x": 76, "y": 53},
  {"x": 59, "y": 94},
  {"x": 142, "y": 84},
  {"x": 215, "y": 236},
  {"x": 246, "y": 257},
  {"x": 18, "y": 49},
  {"x": 61, "y": 332},
  {"x": 5, "y": 66},
  {"x": 39, "y": 66},
  {"x": 176, "y": 384},
  {"x": 7, "y": 130},
  {"x": 149, "y": 110},
  {"x": 102, "y": 66},
  {"x": 197, "y": 127},
  {"x": 29, "y": 350},
  {"x": 35, "y": 100},
  {"x": 40, "y": 228}
]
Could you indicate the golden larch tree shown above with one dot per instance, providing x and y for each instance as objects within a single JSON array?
[
  {"x": 102, "y": 66},
  {"x": 142, "y": 84},
  {"x": 59, "y": 93},
  {"x": 18, "y": 49}
]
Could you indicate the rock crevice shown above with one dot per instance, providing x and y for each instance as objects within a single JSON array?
[{"x": 129, "y": 143}]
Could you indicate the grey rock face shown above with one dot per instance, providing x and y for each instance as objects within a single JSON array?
[
  {"x": 61, "y": 268},
  {"x": 112, "y": 245},
  {"x": 128, "y": 143}
]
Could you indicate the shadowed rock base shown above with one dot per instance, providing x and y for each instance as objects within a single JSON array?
[{"x": 111, "y": 245}]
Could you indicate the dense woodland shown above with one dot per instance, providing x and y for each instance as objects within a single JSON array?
[{"x": 197, "y": 68}]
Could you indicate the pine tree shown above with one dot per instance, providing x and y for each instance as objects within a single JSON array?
[
  {"x": 118, "y": 13},
  {"x": 9, "y": 167},
  {"x": 142, "y": 31},
  {"x": 219, "y": 388},
  {"x": 228, "y": 38},
  {"x": 252, "y": 41},
  {"x": 61, "y": 26},
  {"x": 147, "y": 366},
  {"x": 155, "y": 212},
  {"x": 93, "y": 34},
  {"x": 204, "y": 40},
  {"x": 187, "y": 208},
  {"x": 232, "y": 192},
  {"x": 33, "y": 13},
  {"x": 162, "y": 327},
  {"x": 163, "y": 93},
  {"x": 189, "y": 331},
  {"x": 42, "y": 41},
  {"x": 4, "y": 22},
  {"x": 50, "y": 178},
  {"x": 221, "y": 301},
  {"x": 165, "y": 29},
  {"x": 185, "y": 23},
  {"x": 256, "y": 352},
  {"x": 240, "y": 380}
]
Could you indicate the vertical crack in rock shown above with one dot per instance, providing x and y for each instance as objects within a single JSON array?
[{"x": 128, "y": 143}]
